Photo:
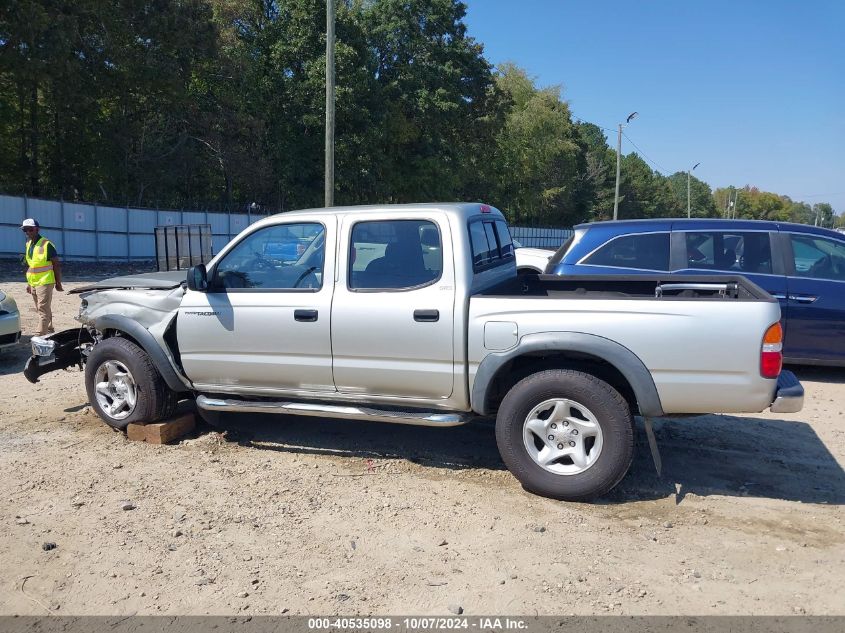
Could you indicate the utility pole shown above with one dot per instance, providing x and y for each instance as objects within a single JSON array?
[
  {"x": 619, "y": 163},
  {"x": 329, "y": 185},
  {"x": 688, "y": 194}
]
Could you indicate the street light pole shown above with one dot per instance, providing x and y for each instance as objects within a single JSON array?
[
  {"x": 329, "y": 183},
  {"x": 688, "y": 196},
  {"x": 619, "y": 163}
]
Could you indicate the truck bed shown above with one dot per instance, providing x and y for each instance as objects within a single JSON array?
[{"x": 673, "y": 287}]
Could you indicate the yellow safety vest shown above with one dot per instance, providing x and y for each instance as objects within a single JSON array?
[{"x": 40, "y": 271}]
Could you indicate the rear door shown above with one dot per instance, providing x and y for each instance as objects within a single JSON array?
[
  {"x": 744, "y": 252},
  {"x": 816, "y": 286},
  {"x": 393, "y": 314}
]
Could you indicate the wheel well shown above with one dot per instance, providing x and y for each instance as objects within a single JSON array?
[
  {"x": 522, "y": 366},
  {"x": 110, "y": 333},
  {"x": 169, "y": 338}
]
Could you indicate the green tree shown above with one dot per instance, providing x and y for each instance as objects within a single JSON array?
[
  {"x": 644, "y": 192},
  {"x": 702, "y": 204},
  {"x": 438, "y": 92},
  {"x": 823, "y": 214},
  {"x": 538, "y": 153},
  {"x": 800, "y": 212},
  {"x": 598, "y": 175}
]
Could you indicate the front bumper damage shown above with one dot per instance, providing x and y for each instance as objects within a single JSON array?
[{"x": 57, "y": 351}]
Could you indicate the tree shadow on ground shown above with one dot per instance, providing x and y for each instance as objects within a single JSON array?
[
  {"x": 13, "y": 358},
  {"x": 707, "y": 455},
  {"x": 734, "y": 456}
]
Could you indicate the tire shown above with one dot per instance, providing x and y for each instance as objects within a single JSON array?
[
  {"x": 591, "y": 426},
  {"x": 124, "y": 386}
]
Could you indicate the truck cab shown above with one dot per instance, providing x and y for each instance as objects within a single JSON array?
[{"x": 374, "y": 309}]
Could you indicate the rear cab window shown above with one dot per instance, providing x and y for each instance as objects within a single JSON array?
[{"x": 491, "y": 244}]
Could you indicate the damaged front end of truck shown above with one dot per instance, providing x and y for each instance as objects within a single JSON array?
[{"x": 140, "y": 307}]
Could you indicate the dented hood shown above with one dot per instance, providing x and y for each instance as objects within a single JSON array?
[{"x": 162, "y": 281}]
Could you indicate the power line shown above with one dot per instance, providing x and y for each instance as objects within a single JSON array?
[
  {"x": 580, "y": 120},
  {"x": 642, "y": 153}
]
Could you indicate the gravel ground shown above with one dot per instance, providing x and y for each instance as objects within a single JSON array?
[{"x": 312, "y": 516}]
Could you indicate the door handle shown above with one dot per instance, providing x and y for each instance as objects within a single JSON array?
[
  {"x": 803, "y": 298},
  {"x": 779, "y": 297},
  {"x": 305, "y": 315},
  {"x": 426, "y": 315}
]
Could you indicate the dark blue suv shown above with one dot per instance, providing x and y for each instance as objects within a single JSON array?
[{"x": 802, "y": 266}]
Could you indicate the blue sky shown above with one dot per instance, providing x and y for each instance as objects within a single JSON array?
[{"x": 754, "y": 91}]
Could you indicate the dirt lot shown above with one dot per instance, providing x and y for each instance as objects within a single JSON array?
[{"x": 311, "y": 516}]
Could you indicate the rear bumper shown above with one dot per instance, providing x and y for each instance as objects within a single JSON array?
[{"x": 789, "y": 396}]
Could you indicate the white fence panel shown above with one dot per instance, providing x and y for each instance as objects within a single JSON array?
[
  {"x": 142, "y": 221},
  {"x": 142, "y": 246},
  {"x": 94, "y": 232},
  {"x": 79, "y": 217},
  {"x": 193, "y": 217},
  {"x": 12, "y": 209},
  {"x": 112, "y": 245},
  {"x": 47, "y": 212},
  {"x": 112, "y": 219}
]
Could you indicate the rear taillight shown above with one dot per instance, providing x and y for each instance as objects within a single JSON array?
[{"x": 771, "y": 352}]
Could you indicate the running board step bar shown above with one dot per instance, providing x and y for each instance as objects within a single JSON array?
[{"x": 418, "y": 418}]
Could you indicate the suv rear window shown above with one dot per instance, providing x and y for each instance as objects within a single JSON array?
[{"x": 642, "y": 251}]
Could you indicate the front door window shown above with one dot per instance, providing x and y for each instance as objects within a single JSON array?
[{"x": 818, "y": 257}]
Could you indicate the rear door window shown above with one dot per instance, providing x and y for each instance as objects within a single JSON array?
[
  {"x": 394, "y": 255},
  {"x": 747, "y": 252},
  {"x": 641, "y": 251}
]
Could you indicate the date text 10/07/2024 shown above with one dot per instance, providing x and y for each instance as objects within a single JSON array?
[{"x": 418, "y": 623}]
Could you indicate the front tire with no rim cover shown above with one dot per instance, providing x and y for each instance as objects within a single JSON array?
[
  {"x": 124, "y": 386},
  {"x": 565, "y": 434}
]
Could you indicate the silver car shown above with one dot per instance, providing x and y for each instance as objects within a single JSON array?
[{"x": 10, "y": 321}]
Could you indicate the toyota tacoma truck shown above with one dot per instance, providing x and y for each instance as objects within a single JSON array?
[{"x": 415, "y": 314}]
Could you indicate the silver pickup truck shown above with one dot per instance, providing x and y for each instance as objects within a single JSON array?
[{"x": 414, "y": 314}]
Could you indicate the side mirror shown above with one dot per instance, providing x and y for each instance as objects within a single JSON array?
[{"x": 198, "y": 278}]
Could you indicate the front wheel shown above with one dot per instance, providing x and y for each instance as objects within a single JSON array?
[
  {"x": 124, "y": 386},
  {"x": 565, "y": 434}
]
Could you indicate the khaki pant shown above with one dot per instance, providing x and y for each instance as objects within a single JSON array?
[{"x": 42, "y": 296}]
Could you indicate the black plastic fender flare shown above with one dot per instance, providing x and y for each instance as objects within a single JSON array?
[
  {"x": 619, "y": 356},
  {"x": 148, "y": 343}
]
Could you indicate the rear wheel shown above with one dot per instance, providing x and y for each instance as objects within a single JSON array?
[
  {"x": 124, "y": 386},
  {"x": 565, "y": 434}
]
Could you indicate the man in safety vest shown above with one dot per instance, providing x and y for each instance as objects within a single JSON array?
[{"x": 43, "y": 273}]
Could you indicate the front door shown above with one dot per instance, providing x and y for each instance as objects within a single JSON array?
[
  {"x": 264, "y": 324},
  {"x": 393, "y": 311}
]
